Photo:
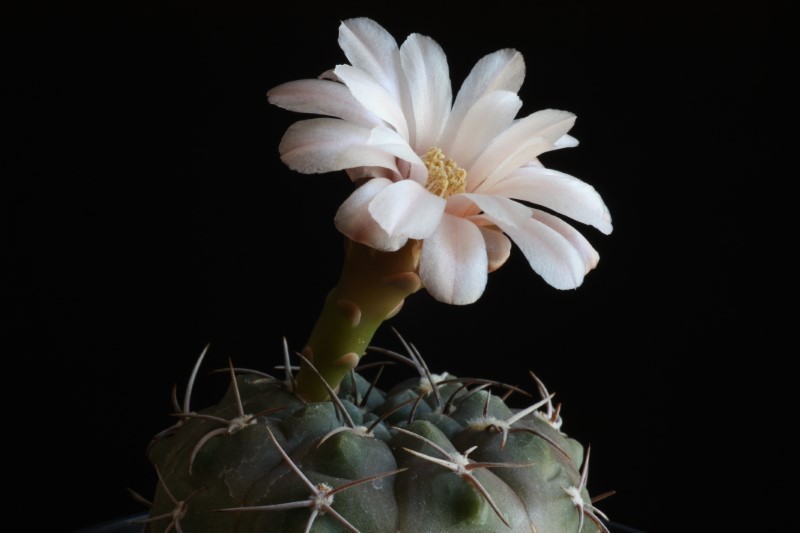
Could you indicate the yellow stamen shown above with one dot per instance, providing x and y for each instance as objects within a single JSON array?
[{"x": 445, "y": 177}]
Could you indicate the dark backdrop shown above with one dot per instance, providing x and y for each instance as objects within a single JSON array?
[{"x": 150, "y": 214}]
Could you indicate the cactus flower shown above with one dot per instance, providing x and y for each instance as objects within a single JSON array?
[
  {"x": 443, "y": 188},
  {"x": 451, "y": 174}
]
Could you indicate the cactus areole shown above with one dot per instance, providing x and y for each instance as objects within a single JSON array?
[{"x": 443, "y": 187}]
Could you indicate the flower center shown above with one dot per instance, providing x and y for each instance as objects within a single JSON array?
[{"x": 445, "y": 177}]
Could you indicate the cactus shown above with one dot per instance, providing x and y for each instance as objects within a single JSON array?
[
  {"x": 324, "y": 448},
  {"x": 435, "y": 453}
]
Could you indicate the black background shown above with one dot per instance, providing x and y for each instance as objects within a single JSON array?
[{"x": 150, "y": 214}]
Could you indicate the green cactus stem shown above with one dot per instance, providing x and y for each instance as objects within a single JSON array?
[
  {"x": 372, "y": 288},
  {"x": 455, "y": 460}
]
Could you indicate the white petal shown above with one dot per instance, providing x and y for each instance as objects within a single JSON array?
[
  {"x": 406, "y": 208},
  {"x": 392, "y": 142},
  {"x": 353, "y": 218},
  {"x": 523, "y": 141},
  {"x": 566, "y": 141},
  {"x": 321, "y": 97},
  {"x": 369, "y": 47},
  {"x": 425, "y": 66},
  {"x": 588, "y": 253},
  {"x": 501, "y": 208},
  {"x": 552, "y": 124},
  {"x": 490, "y": 115},
  {"x": 453, "y": 264},
  {"x": 498, "y": 247},
  {"x": 550, "y": 255},
  {"x": 328, "y": 144},
  {"x": 503, "y": 70},
  {"x": 555, "y": 190},
  {"x": 374, "y": 97}
]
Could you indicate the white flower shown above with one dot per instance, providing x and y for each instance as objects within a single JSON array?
[{"x": 442, "y": 172}]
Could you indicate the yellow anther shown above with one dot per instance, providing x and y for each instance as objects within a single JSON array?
[{"x": 445, "y": 177}]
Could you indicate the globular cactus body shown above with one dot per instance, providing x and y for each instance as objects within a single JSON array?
[{"x": 434, "y": 454}]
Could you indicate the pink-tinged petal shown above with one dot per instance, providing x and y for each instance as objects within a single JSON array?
[
  {"x": 359, "y": 173},
  {"x": 500, "y": 208},
  {"x": 353, "y": 218},
  {"x": 461, "y": 206},
  {"x": 407, "y": 209},
  {"x": 328, "y": 144},
  {"x": 524, "y": 140},
  {"x": 503, "y": 70},
  {"x": 588, "y": 253},
  {"x": 374, "y": 97},
  {"x": 329, "y": 75},
  {"x": 321, "y": 97},
  {"x": 555, "y": 190},
  {"x": 425, "y": 66},
  {"x": 498, "y": 247},
  {"x": 549, "y": 253},
  {"x": 484, "y": 121},
  {"x": 453, "y": 263}
]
